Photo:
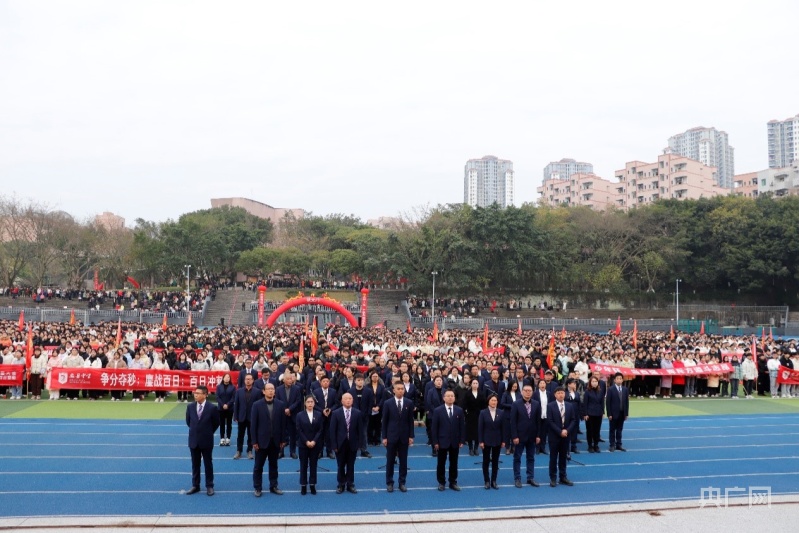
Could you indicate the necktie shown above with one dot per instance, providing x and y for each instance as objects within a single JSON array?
[
  {"x": 450, "y": 411},
  {"x": 529, "y": 407},
  {"x": 347, "y": 421},
  {"x": 325, "y": 398},
  {"x": 562, "y": 414},
  {"x": 619, "y": 390},
  {"x": 199, "y": 410},
  {"x": 399, "y": 405}
]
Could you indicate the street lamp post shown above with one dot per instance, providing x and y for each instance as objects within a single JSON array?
[
  {"x": 677, "y": 299},
  {"x": 188, "y": 287},
  {"x": 433, "y": 303}
]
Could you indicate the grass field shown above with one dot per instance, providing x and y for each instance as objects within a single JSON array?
[{"x": 149, "y": 410}]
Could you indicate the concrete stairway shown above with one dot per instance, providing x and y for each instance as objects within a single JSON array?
[
  {"x": 227, "y": 306},
  {"x": 381, "y": 308}
]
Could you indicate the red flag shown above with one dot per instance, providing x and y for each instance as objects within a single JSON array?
[
  {"x": 301, "y": 355},
  {"x": 119, "y": 332},
  {"x": 72, "y": 318},
  {"x": 134, "y": 282},
  {"x": 551, "y": 351},
  {"x": 635, "y": 334},
  {"x": 188, "y": 321},
  {"x": 435, "y": 332},
  {"x": 671, "y": 335},
  {"x": 763, "y": 338},
  {"x": 563, "y": 334},
  {"x": 409, "y": 329},
  {"x": 314, "y": 338},
  {"x": 485, "y": 336},
  {"x": 29, "y": 350},
  {"x": 163, "y": 324},
  {"x": 618, "y": 326},
  {"x": 754, "y": 347},
  {"x": 519, "y": 331},
  {"x": 702, "y": 328},
  {"x": 21, "y": 320}
]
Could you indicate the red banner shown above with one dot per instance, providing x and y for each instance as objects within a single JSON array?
[
  {"x": 261, "y": 291},
  {"x": 788, "y": 376},
  {"x": 698, "y": 370},
  {"x": 129, "y": 379},
  {"x": 11, "y": 375},
  {"x": 364, "y": 306}
]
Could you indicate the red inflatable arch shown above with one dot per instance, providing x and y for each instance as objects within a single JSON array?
[{"x": 311, "y": 300}]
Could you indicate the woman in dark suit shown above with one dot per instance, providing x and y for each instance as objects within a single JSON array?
[
  {"x": 508, "y": 398},
  {"x": 225, "y": 392},
  {"x": 474, "y": 401},
  {"x": 490, "y": 431},
  {"x": 373, "y": 396},
  {"x": 309, "y": 434},
  {"x": 592, "y": 410}
]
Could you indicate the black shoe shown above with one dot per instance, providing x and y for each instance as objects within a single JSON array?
[
  {"x": 532, "y": 482},
  {"x": 565, "y": 481},
  {"x": 366, "y": 454},
  {"x": 621, "y": 449},
  {"x": 402, "y": 488},
  {"x": 352, "y": 490},
  {"x": 389, "y": 487},
  {"x": 590, "y": 449},
  {"x": 612, "y": 449},
  {"x": 293, "y": 455},
  {"x": 601, "y": 439},
  {"x": 494, "y": 485},
  {"x": 455, "y": 487},
  {"x": 517, "y": 483},
  {"x": 303, "y": 490},
  {"x": 331, "y": 455},
  {"x": 257, "y": 493},
  {"x": 488, "y": 485},
  {"x": 209, "y": 491},
  {"x": 277, "y": 491},
  {"x": 193, "y": 490},
  {"x": 282, "y": 455},
  {"x": 339, "y": 489},
  {"x": 552, "y": 483},
  {"x": 313, "y": 490},
  {"x": 574, "y": 450},
  {"x": 597, "y": 450},
  {"x": 435, "y": 453},
  {"x": 441, "y": 487}
]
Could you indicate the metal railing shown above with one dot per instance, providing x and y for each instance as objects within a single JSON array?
[{"x": 87, "y": 316}]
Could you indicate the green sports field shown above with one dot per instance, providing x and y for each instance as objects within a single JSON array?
[{"x": 170, "y": 410}]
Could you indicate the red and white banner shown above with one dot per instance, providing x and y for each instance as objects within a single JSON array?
[
  {"x": 11, "y": 375},
  {"x": 788, "y": 376},
  {"x": 128, "y": 379},
  {"x": 698, "y": 370}
]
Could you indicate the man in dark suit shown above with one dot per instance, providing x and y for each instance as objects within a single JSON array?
[
  {"x": 243, "y": 401},
  {"x": 525, "y": 415},
  {"x": 397, "y": 433},
  {"x": 266, "y": 377},
  {"x": 326, "y": 402},
  {"x": 290, "y": 394},
  {"x": 573, "y": 397},
  {"x": 269, "y": 437},
  {"x": 248, "y": 370},
  {"x": 617, "y": 406},
  {"x": 543, "y": 396},
  {"x": 448, "y": 434},
  {"x": 202, "y": 417},
  {"x": 346, "y": 433},
  {"x": 561, "y": 424}
]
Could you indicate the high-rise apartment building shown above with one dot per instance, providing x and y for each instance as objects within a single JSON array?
[
  {"x": 783, "y": 142},
  {"x": 487, "y": 181},
  {"x": 564, "y": 169},
  {"x": 708, "y": 146}
]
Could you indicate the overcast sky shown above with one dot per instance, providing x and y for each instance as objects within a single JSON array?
[{"x": 150, "y": 108}]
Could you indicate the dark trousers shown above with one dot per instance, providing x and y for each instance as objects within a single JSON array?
[
  {"x": 225, "y": 423},
  {"x": 558, "y": 448},
  {"x": 291, "y": 430},
  {"x": 638, "y": 386},
  {"x": 345, "y": 457},
  {"x": 36, "y": 384},
  {"x": 452, "y": 452},
  {"x": 528, "y": 448},
  {"x": 261, "y": 456},
  {"x": 616, "y": 426},
  {"x": 394, "y": 450},
  {"x": 328, "y": 442},
  {"x": 592, "y": 427},
  {"x": 309, "y": 457},
  {"x": 244, "y": 426},
  {"x": 374, "y": 429},
  {"x": 490, "y": 455},
  {"x": 543, "y": 431},
  {"x": 204, "y": 455}
]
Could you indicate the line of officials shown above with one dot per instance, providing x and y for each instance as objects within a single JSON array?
[{"x": 272, "y": 420}]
